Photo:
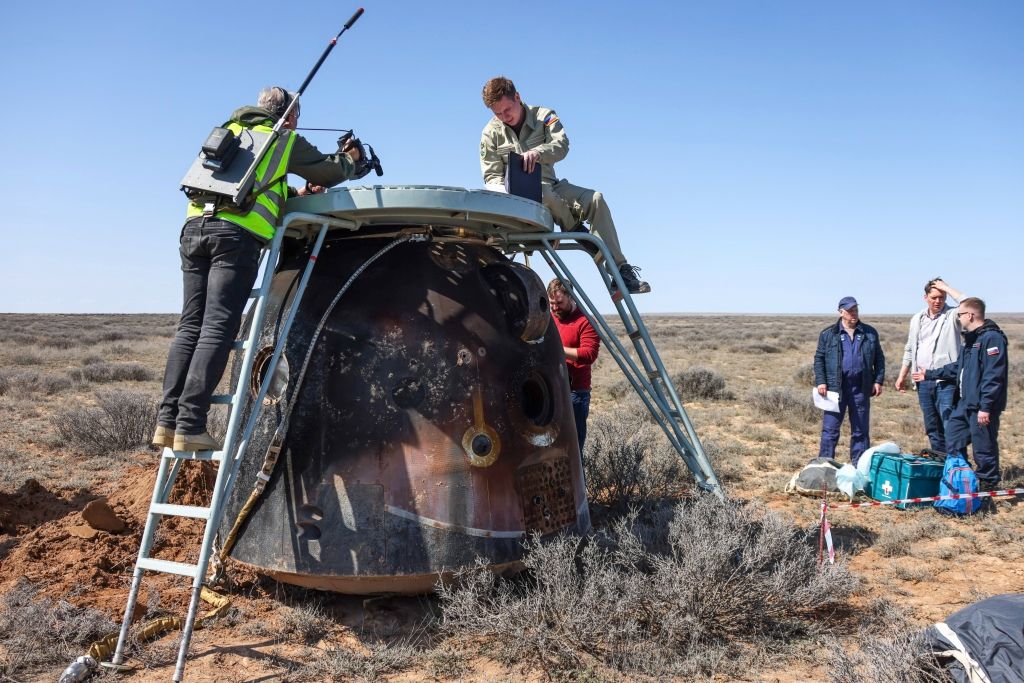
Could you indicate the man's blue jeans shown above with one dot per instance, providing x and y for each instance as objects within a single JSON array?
[
  {"x": 219, "y": 262},
  {"x": 936, "y": 399},
  {"x": 850, "y": 396},
  {"x": 580, "y": 411}
]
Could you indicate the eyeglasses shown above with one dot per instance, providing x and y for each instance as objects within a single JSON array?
[{"x": 965, "y": 313}]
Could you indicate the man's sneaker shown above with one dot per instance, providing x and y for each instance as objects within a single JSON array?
[
  {"x": 195, "y": 442},
  {"x": 630, "y": 275},
  {"x": 163, "y": 437}
]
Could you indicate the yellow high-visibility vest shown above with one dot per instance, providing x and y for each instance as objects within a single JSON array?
[{"x": 261, "y": 219}]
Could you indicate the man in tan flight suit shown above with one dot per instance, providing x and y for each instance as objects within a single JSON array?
[{"x": 537, "y": 134}]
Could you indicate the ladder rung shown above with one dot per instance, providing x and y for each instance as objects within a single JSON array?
[
  {"x": 240, "y": 344},
  {"x": 222, "y": 399},
  {"x": 180, "y": 510},
  {"x": 675, "y": 414},
  {"x": 167, "y": 567},
  {"x": 653, "y": 374},
  {"x": 254, "y": 294},
  {"x": 215, "y": 456},
  {"x": 635, "y": 334}
]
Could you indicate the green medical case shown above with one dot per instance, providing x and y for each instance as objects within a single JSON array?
[{"x": 894, "y": 477}]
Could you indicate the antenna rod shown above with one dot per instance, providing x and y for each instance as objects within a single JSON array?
[
  {"x": 244, "y": 185},
  {"x": 316, "y": 67}
]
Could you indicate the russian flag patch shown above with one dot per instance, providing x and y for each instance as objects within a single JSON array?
[
  {"x": 551, "y": 120},
  {"x": 992, "y": 351}
]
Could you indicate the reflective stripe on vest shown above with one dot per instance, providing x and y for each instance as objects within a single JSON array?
[{"x": 262, "y": 217}]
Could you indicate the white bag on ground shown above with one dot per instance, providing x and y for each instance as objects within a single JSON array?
[
  {"x": 852, "y": 480},
  {"x": 864, "y": 464}
]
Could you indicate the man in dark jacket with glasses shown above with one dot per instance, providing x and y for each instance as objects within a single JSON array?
[{"x": 982, "y": 376}]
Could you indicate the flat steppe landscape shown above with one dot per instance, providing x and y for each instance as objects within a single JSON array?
[{"x": 670, "y": 586}]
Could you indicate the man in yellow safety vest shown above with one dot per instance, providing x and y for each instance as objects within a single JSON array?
[{"x": 220, "y": 255}]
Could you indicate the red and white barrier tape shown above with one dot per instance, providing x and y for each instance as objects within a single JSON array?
[
  {"x": 952, "y": 496},
  {"x": 825, "y": 539}
]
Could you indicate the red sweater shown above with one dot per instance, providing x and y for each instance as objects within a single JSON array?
[{"x": 577, "y": 333}]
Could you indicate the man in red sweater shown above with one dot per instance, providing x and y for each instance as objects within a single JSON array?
[{"x": 580, "y": 343}]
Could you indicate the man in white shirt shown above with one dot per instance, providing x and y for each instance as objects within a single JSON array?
[{"x": 934, "y": 341}]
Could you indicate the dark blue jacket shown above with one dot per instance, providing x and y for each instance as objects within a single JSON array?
[
  {"x": 982, "y": 369},
  {"x": 828, "y": 359}
]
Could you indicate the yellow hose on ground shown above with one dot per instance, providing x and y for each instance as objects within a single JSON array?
[{"x": 102, "y": 649}]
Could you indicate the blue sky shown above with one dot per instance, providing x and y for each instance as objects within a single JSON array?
[{"x": 757, "y": 156}]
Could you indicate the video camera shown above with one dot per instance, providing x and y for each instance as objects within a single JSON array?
[{"x": 368, "y": 159}]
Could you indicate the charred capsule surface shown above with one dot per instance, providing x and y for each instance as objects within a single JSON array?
[{"x": 432, "y": 424}]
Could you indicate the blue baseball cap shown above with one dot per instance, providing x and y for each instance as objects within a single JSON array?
[{"x": 846, "y": 303}]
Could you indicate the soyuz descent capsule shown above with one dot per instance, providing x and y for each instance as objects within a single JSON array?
[{"x": 433, "y": 423}]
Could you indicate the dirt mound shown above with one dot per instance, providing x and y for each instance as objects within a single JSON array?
[
  {"x": 33, "y": 505},
  {"x": 48, "y": 549}
]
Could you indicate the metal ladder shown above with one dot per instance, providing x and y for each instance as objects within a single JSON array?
[
  {"x": 649, "y": 379},
  {"x": 235, "y": 441}
]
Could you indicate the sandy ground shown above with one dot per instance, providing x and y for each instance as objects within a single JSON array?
[{"x": 927, "y": 563}]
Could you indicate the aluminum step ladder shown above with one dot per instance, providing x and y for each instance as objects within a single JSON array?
[
  {"x": 236, "y": 439},
  {"x": 649, "y": 378}
]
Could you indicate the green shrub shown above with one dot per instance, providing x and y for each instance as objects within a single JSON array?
[
  {"x": 682, "y": 593},
  {"x": 785, "y": 405},
  {"x": 117, "y": 372},
  {"x": 121, "y": 420},
  {"x": 625, "y": 460},
  {"x": 695, "y": 384},
  {"x": 32, "y": 382}
]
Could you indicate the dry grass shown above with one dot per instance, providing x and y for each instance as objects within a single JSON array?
[
  {"x": 104, "y": 372},
  {"x": 120, "y": 421},
  {"x": 785, "y": 406},
  {"x": 307, "y": 623},
  {"x": 342, "y": 664},
  {"x": 627, "y": 463},
  {"x": 696, "y": 384},
  {"x": 892, "y": 649},
  {"x": 645, "y": 598},
  {"x": 679, "y": 591},
  {"x": 37, "y": 634}
]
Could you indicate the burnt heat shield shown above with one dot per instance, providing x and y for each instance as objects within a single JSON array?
[{"x": 433, "y": 426}]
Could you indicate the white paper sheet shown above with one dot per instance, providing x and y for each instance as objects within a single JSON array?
[{"x": 830, "y": 401}]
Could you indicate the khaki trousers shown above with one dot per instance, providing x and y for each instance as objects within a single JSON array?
[{"x": 570, "y": 205}]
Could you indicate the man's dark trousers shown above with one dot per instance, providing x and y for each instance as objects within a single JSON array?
[
  {"x": 853, "y": 397},
  {"x": 219, "y": 262},
  {"x": 963, "y": 429},
  {"x": 580, "y": 411},
  {"x": 936, "y": 399}
]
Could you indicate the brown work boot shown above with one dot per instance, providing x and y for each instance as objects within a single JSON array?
[
  {"x": 163, "y": 437},
  {"x": 195, "y": 442}
]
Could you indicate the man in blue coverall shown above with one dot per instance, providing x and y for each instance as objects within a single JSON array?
[
  {"x": 982, "y": 374},
  {"x": 849, "y": 361}
]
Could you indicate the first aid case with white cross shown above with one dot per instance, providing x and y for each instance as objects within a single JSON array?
[{"x": 903, "y": 475}]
